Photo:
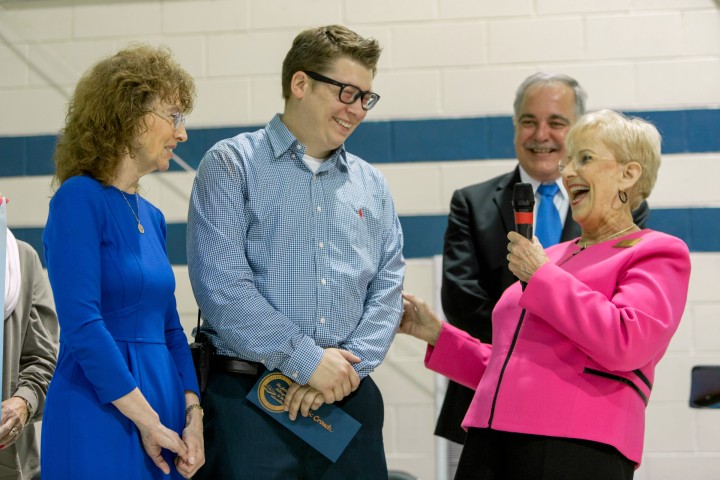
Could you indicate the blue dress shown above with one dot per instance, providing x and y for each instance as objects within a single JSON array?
[{"x": 119, "y": 329}]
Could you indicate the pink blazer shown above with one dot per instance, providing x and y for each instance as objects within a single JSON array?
[{"x": 574, "y": 355}]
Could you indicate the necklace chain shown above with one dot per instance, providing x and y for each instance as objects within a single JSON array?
[
  {"x": 137, "y": 204},
  {"x": 584, "y": 244}
]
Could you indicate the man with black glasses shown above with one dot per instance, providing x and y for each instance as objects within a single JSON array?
[{"x": 295, "y": 258}]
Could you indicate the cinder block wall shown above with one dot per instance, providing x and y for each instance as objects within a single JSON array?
[{"x": 447, "y": 79}]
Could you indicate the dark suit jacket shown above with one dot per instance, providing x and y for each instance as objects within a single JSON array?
[{"x": 475, "y": 272}]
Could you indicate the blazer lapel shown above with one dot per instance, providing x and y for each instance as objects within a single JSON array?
[{"x": 503, "y": 199}]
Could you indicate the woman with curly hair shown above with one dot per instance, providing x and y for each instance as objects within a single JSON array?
[{"x": 123, "y": 402}]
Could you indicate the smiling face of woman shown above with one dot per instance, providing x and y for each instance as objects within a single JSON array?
[
  {"x": 156, "y": 144},
  {"x": 160, "y": 131},
  {"x": 593, "y": 178}
]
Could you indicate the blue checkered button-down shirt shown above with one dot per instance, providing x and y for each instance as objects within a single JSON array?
[{"x": 284, "y": 262}]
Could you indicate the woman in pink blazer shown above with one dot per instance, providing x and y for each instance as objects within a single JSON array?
[{"x": 562, "y": 391}]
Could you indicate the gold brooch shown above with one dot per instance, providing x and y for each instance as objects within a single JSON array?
[{"x": 627, "y": 243}]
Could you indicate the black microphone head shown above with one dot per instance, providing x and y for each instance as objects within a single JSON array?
[{"x": 523, "y": 197}]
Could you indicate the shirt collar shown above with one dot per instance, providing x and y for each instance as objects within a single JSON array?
[
  {"x": 526, "y": 178},
  {"x": 282, "y": 140}
]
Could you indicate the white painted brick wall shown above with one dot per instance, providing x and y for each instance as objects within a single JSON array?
[
  {"x": 685, "y": 82},
  {"x": 706, "y": 334},
  {"x": 381, "y": 11},
  {"x": 432, "y": 46},
  {"x": 702, "y": 32},
  {"x": 293, "y": 14},
  {"x": 30, "y": 197},
  {"x": 222, "y": 101},
  {"x": 45, "y": 24},
  {"x": 679, "y": 185},
  {"x": 190, "y": 50},
  {"x": 14, "y": 66},
  {"x": 681, "y": 342},
  {"x": 703, "y": 286},
  {"x": 680, "y": 466},
  {"x": 536, "y": 40},
  {"x": 609, "y": 84},
  {"x": 266, "y": 99},
  {"x": 116, "y": 19},
  {"x": 442, "y": 58},
  {"x": 634, "y": 36},
  {"x": 66, "y": 61},
  {"x": 581, "y": 6},
  {"x": 671, "y": 4},
  {"x": 460, "y": 174},
  {"x": 240, "y": 54},
  {"x": 487, "y": 90},
  {"x": 47, "y": 117},
  {"x": 418, "y": 279},
  {"x": 460, "y": 9},
  {"x": 670, "y": 427},
  {"x": 406, "y": 94},
  {"x": 708, "y": 430},
  {"x": 423, "y": 194},
  {"x": 197, "y": 17}
]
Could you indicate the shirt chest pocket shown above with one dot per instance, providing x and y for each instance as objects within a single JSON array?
[{"x": 352, "y": 222}]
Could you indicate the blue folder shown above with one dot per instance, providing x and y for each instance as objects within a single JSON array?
[{"x": 328, "y": 429}]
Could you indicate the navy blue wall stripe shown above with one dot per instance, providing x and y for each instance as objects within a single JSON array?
[
  {"x": 21, "y": 156},
  {"x": 698, "y": 227},
  {"x": 396, "y": 141}
]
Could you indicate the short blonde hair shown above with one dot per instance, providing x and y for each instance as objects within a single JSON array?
[{"x": 630, "y": 139}]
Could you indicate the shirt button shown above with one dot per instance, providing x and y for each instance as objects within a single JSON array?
[
  {"x": 314, "y": 177},
  {"x": 322, "y": 319},
  {"x": 295, "y": 375},
  {"x": 298, "y": 147},
  {"x": 321, "y": 245},
  {"x": 319, "y": 208},
  {"x": 293, "y": 156},
  {"x": 323, "y": 281}
]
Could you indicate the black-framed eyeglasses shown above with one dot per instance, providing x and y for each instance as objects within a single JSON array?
[
  {"x": 348, "y": 93},
  {"x": 177, "y": 119}
]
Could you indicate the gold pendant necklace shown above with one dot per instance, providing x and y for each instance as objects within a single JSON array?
[
  {"x": 137, "y": 203},
  {"x": 584, "y": 244}
]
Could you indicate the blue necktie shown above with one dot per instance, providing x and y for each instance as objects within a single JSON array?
[{"x": 548, "y": 227}]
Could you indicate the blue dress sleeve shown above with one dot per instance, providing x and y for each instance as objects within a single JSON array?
[{"x": 72, "y": 238}]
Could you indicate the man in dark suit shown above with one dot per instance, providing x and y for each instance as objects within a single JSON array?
[{"x": 475, "y": 270}]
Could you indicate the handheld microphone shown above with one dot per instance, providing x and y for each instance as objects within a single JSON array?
[{"x": 523, "y": 203}]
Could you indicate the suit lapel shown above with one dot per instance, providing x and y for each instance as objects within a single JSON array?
[{"x": 503, "y": 199}]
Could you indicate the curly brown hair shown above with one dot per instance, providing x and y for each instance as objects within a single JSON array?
[
  {"x": 316, "y": 48},
  {"x": 107, "y": 111}
]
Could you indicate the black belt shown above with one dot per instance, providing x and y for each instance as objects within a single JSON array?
[{"x": 221, "y": 363}]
